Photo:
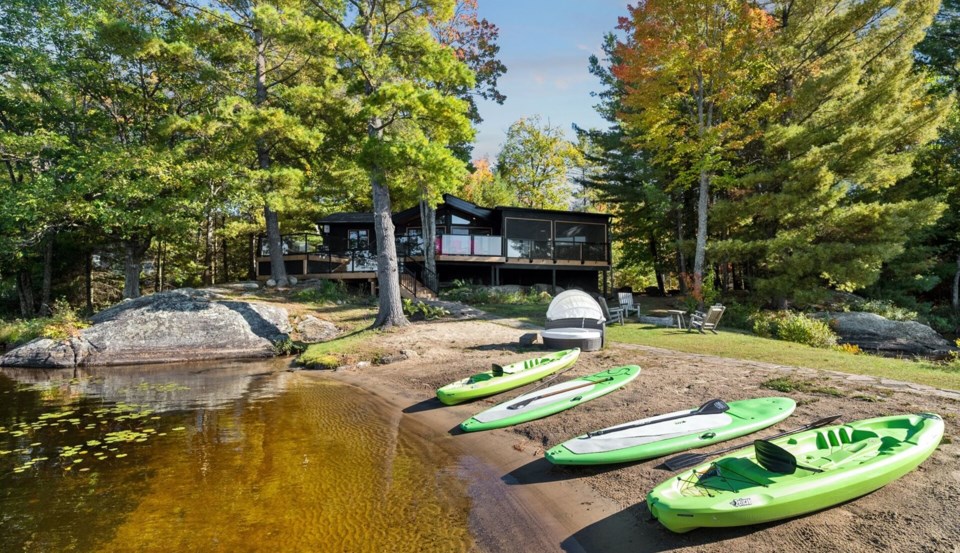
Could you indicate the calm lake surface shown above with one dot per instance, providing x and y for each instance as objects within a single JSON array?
[{"x": 238, "y": 457}]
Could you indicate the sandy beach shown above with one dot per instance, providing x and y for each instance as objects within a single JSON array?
[{"x": 523, "y": 503}]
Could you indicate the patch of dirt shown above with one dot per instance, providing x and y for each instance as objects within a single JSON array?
[{"x": 603, "y": 508}]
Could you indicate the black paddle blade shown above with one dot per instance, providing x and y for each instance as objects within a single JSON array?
[
  {"x": 685, "y": 460},
  {"x": 713, "y": 406},
  {"x": 774, "y": 458}
]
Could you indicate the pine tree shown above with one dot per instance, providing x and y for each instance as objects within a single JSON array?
[
  {"x": 809, "y": 216},
  {"x": 405, "y": 115},
  {"x": 692, "y": 73}
]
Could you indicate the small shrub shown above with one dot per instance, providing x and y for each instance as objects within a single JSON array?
[
  {"x": 286, "y": 346},
  {"x": 887, "y": 309},
  {"x": 852, "y": 349},
  {"x": 326, "y": 361},
  {"x": 420, "y": 311},
  {"x": 794, "y": 327},
  {"x": 63, "y": 323},
  {"x": 325, "y": 291},
  {"x": 480, "y": 295}
]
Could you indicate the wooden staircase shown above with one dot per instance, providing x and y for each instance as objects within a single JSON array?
[{"x": 412, "y": 288}]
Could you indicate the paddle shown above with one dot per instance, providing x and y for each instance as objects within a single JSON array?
[
  {"x": 712, "y": 407},
  {"x": 776, "y": 459},
  {"x": 526, "y": 402},
  {"x": 685, "y": 460}
]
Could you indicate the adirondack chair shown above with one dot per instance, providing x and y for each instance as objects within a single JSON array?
[
  {"x": 706, "y": 321},
  {"x": 612, "y": 314},
  {"x": 626, "y": 302}
]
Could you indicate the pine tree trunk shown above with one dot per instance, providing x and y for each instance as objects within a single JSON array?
[
  {"x": 46, "y": 307},
  {"x": 390, "y": 308},
  {"x": 701, "y": 250},
  {"x": 955, "y": 300},
  {"x": 25, "y": 293},
  {"x": 133, "y": 251},
  {"x": 655, "y": 254},
  {"x": 278, "y": 272},
  {"x": 428, "y": 226}
]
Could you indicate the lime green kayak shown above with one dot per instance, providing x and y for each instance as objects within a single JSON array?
[
  {"x": 792, "y": 476},
  {"x": 507, "y": 377},
  {"x": 670, "y": 433},
  {"x": 559, "y": 397}
]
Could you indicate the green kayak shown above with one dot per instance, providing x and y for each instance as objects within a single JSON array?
[
  {"x": 792, "y": 476},
  {"x": 500, "y": 379},
  {"x": 559, "y": 397},
  {"x": 670, "y": 433}
]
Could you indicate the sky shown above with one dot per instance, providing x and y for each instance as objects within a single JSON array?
[{"x": 545, "y": 45}]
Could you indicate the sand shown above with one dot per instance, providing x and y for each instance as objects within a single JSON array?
[{"x": 523, "y": 503}]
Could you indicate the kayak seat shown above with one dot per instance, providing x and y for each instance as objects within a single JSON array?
[
  {"x": 835, "y": 437},
  {"x": 847, "y": 454},
  {"x": 480, "y": 377}
]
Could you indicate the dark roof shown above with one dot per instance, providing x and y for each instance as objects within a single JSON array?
[
  {"x": 467, "y": 207},
  {"x": 350, "y": 217},
  {"x": 567, "y": 211}
]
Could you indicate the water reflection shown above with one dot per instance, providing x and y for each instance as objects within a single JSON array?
[
  {"x": 240, "y": 458},
  {"x": 164, "y": 388}
]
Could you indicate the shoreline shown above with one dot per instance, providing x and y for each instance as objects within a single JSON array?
[
  {"x": 607, "y": 512},
  {"x": 508, "y": 514}
]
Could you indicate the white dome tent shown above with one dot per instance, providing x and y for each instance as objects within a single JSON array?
[{"x": 574, "y": 319}]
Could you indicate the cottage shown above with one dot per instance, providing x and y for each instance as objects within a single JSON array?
[{"x": 493, "y": 246}]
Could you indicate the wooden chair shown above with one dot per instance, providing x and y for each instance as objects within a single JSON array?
[
  {"x": 612, "y": 314},
  {"x": 706, "y": 321},
  {"x": 626, "y": 302}
]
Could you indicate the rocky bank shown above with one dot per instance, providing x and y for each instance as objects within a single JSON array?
[{"x": 176, "y": 326}]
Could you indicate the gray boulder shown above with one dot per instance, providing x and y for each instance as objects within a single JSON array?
[
  {"x": 312, "y": 330},
  {"x": 878, "y": 334},
  {"x": 181, "y": 325}
]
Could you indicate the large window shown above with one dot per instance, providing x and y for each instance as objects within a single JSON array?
[
  {"x": 528, "y": 238},
  {"x": 581, "y": 232},
  {"x": 581, "y": 241}
]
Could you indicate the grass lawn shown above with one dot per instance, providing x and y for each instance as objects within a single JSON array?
[{"x": 737, "y": 345}]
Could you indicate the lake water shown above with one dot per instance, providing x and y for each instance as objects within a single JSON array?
[{"x": 238, "y": 457}]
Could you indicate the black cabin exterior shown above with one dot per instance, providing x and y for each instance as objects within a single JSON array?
[{"x": 492, "y": 246}]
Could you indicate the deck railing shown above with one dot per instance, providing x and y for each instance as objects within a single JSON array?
[
  {"x": 557, "y": 250},
  {"x": 314, "y": 256}
]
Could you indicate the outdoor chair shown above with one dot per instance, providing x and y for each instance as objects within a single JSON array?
[
  {"x": 574, "y": 319},
  {"x": 626, "y": 302},
  {"x": 706, "y": 321},
  {"x": 612, "y": 314}
]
